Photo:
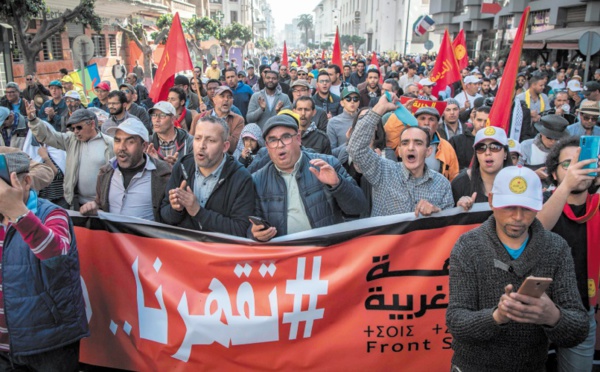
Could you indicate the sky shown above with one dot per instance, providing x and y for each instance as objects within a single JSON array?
[{"x": 282, "y": 14}]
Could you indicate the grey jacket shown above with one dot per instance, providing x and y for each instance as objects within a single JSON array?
[
  {"x": 480, "y": 268},
  {"x": 255, "y": 112},
  {"x": 69, "y": 143}
]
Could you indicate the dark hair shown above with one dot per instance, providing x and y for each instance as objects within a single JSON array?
[
  {"x": 393, "y": 83},
  {"x": 534, "y": 79},
  {"x": 374, "y": 70},
  {"x": 64, "y": 71},
  {"x": 486, "y": 79},
  {"x": 554, "y": 154},
  {"x": 118, "y": 93},
  {"x": 425, "y": 130},
  {"x": 230, "y": 69},
  {"x": 476, "y": 182},
  {"x": 361, "y": 61},
  {"x": 271, "y": 72},
  {"x": 336, "y": 68},
  {"x": 304, "y": 98},
  {"x": 261, "y": 68},
  {"x": 485, "y": 109},
  {"x": 322, "y": 73},
  {"x": 213, "y": 81},
  {"x": 179, "y": 92}
]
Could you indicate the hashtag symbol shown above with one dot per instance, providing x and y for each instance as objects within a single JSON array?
[{"x": 299, "y": 287}]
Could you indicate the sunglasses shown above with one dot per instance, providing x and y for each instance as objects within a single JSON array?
[
  {"x": 29, "y": 79},
  {"x": 352, "y": 99},
  {"x": 481, "y": 148},
  {"x": 127, "y": 91},
  {"x": 72, "y": 128},
  {"x": 589, "y": 118}
]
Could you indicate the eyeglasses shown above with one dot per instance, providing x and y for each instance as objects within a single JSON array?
[
  {"x": 352, "y": 99},
  {"x": 70, "y": 100},
  {"x": 160, "y": 116},
  {"x": 589, "y": 118},
  {"x": 72, "y": 128},
  {"x": 302, "y": 73},
  {"x": 29, "y": 79},
  {"x": 565, "y": 164},
  {"x": 481, "y": 148},
  {"x": 286, "y": 139},
  {"x": 126, "y": 91}
]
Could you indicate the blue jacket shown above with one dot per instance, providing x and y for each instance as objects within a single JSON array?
[
  {"x": 43, "y": 301},
  {"x": 331, "y": 104},
  {"x": 59, "y": 111},
  {"x": 241, "y": 97},
  {"x": 324, "y": 205}
]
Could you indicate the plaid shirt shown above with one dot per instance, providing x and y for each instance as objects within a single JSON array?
[{"x": 395, "y": 190}]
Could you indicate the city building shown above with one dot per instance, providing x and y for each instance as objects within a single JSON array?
[
  {"x": 386, "y": 25},
  {"x": 255, "y": 14},
  {"x": 555, "y": 26}
]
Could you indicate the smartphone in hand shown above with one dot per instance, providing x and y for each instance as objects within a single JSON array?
[
  {"x": 590, "y": 148},
  {"x": 534, "y": 286},
  {"x": 260, "y": 221},
  {"x": 4, "y": 173}
]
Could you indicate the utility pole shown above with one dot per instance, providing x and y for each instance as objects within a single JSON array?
[{"x": 406, "y": 32}]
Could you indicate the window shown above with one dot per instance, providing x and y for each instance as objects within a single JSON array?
[
  {"x": 99, "y": 45},
  {"x": 234, "y": 16},
  {"x": 17, "y": 54},
  {"x": 112, "y": 45},
  {"x": 53, "y": 48}
]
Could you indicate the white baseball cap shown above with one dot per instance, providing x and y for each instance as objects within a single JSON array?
[
  {"x": 574, "y": 85},
  {"x": 517, "y": 186},
  {"x": 73, "y": 94},
  {"x": 514, "y": 146},
  {"x": 165, "y": 107},
  {"x": 131, "y": 126},
  {"x": 494, "y": 133},
  {"x": 472, "y": 80},
  {"x": 426, "y": 82}
]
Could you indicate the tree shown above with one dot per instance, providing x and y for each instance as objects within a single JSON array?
[
  {"x": 265, "y": 44},
  {"x": 137, "y": 34},
  {"x": 345, "y": 40},
  {"x": 326, "y": 44},
  {"x": 233, "y": 32},
  {"x": 306, "y": 23},
  {"x": 18, "y": 13},
  {"x": 357, "y": 41}
]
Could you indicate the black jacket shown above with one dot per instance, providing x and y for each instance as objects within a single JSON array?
[
  {"x": 463, "y": 146},
  {"x": 228, "y": 206}
]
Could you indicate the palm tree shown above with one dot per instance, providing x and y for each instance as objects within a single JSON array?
[{"x": 306, "y": 23}]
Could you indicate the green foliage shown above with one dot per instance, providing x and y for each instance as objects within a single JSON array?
[
  {"x": 265, "y": 43},
  {"x": 233, "y": 32},
  {"x": 313, "y": 46},
  {"x": 305, "y": 23},
  {"x": 355, "y": 40},
  {"x": 202, "y": 28},
  {"x": 326, "y": 45}
]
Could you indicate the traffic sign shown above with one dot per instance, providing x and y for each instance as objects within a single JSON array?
[
  {"x": 429, "y": 45},
  {"x": 589, "y": 43}
]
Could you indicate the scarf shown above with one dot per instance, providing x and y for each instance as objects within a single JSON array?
[
  {"x": 181, "y": 118},
  {"x": 528, "y": 101},
  {"x": 592, "y": 218},
  {"x": 516, "y": 123}
]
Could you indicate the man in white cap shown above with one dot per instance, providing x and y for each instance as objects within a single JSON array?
[
  {"x": 494, "y": 327},
  {"x": 466, "y": 99},
  {"x": 73, "y": 101},
  {"x": 426, "y": 85},
  {"x": 574, "y": 89},
  {"x": 167, "y": 143},
  {"x": 125, "y": 183}
]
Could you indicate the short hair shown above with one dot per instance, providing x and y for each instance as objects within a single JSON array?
[
  {"x": 561, "y": 92},
  {"x": 271, "y": 72},
  {"x": 554, "y": 154},
  {"x": 336, "y": 68},
  {"x": 393, "y": 83},
  {"x": 230, "y": 69},
  {"x": 131, "y": 74},
  {"x": 198, "y": 67},
  {"x": 180, "y": 93},
  {"x": 261, "y": 68},
  {"x": 410, "y": 85},
  {"x": 374, "y": 70},
  {"x": 215, "y": 120},
  {"x": 213, "y": 81},
  {"x": 484, "y": 109},
  {"x": 305, "y": 98},
  {"x": 485, "y": 79},
  {"x": 360, "y": 61},
  {"x": 322, "y": 73},
  {"x": 535, "y": 78},
  {"x": 425, "y": 130},
  {"x": 118, "y": 93},
  {"x": 64, "y": 71}
]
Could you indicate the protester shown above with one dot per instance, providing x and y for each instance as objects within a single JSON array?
[
  {"x": 463, "y": 143},
  {"x": 311, "y": 137},
  {"x": 192, "y": 101},
  {"x": 551, "y": 128},
  {"x": 267, "y": 102},
  {"x": 87, "y": 151},
  {"x": 370, "y": 94},
  {"x": 491, "y": 155},
  {"x": 301, "y": 88},
  {"x": 133, "y": 108},
  {"x": 13, "y": 126},
  {"x": 409, "y": 186},
  {"x": 241, "y": 92},
  {"x": 168, "y": 142},
  {"x": 53, "y": 109},
  {"x": 223, "y": 101},
  {"x": 493, "y": 327},
  {"x": 208, "y": 189},
  {"x": 119, "y": 72},
  {"x": 39, "y": 251},
  {"x": 338, "y": 126},
  {"x": 101, "y": 100},
  {"x": 249, "y": 144},
  {"x": 124, "y": 184},
  {"x": 116, "y": 107},
  {"x": 12, "y": 99},
  {"x": 588, "y": 119},
  {"x": 35, "y": 91},
  {"x": 299, "y": 190},
  {"x": 323, "y": 98},
  {"x": 73, "y": 102}
]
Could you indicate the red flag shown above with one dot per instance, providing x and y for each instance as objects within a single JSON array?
[
  {"x": 490, "y": 7},
  {"x": 501, "y": 112},
  {"x": 375, "y": 61},
  {"x": 298, "y": 61},
  {"x": 445, "y": 71},
  {"x": 460, "y": 49},
  {"x": 336, "y": 59},
  {"x": 175, "y": 58},
  {"x": 284, "y": 57},
  {"x": 323, "y": 55}
]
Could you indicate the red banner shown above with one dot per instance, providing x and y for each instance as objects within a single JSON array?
[
  {"x": 445, "y": 71},
  {"x": 440, "y": 106},
  {"x": 356, "y": 296},
  {"x": 460, "y": 50}
]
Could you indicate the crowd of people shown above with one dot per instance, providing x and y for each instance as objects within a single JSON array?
[{"x": 297, "y": 146}]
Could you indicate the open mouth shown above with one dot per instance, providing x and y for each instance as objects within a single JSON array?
[
  {"x": 489, "y": 163},
  {"x": 411, "y": 158}
]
